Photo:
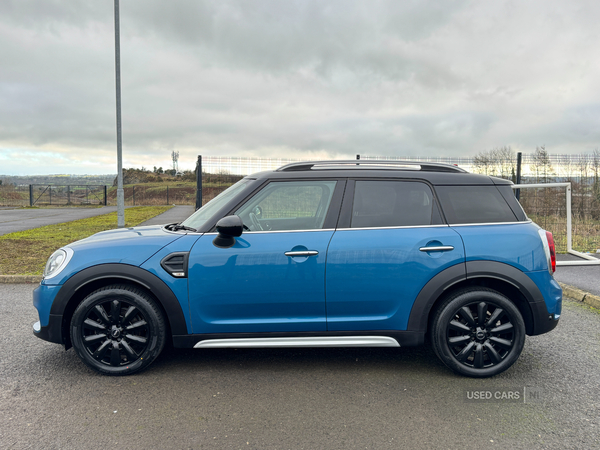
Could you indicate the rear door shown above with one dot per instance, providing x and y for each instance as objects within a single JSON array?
[{"x": 390, "y": 243}]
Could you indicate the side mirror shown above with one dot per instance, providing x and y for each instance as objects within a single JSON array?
[{"x": 229, "y": 228}]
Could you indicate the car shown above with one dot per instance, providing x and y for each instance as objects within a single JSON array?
[{"x": 315, "y": 254}]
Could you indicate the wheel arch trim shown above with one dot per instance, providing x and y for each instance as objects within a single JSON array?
[
  {"x": 158, "y": 289},
  {"x": 472, "y": 270},
  {"x": 419, "y": 313}
]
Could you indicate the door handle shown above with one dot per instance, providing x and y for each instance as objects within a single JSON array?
[
  {"x": 437, "y": 248},
  {"x": 302, "y": 253}
]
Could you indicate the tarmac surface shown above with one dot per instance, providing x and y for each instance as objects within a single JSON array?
[
  {"x": 586, "y": 278},
  {"x": 337, "y": 398},
  {"x": 300, "y": 398},
  {"x": 12, "y": 220}
]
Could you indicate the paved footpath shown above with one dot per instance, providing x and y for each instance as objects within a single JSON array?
[{"x": 174, "y": 215}]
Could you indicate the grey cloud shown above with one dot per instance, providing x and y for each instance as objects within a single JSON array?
[{"x": 297, "y": 77}]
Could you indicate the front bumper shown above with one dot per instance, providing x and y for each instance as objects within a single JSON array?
[
  {"x": 49, "y": 327},
  {"x": 52, "y": 332}
]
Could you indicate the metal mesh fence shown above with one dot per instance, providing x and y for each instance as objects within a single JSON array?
[
  {"x": 153, "y": 195},
  {"x": 545, "y": 206},
  {"x": 52, "y": 195}
]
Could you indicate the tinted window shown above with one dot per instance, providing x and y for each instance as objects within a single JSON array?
[
  {"x": 392, "y": 204},
  {"x": 289, "y": 205},
  {"x": 474, "y": 204}
]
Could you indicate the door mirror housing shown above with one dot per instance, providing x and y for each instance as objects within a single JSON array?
[{"x": 229, "y": 228}]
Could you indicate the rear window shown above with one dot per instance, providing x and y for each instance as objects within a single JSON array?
[
  {"x": 474, "y": 204},
  {"x": 392, "y": 204}
]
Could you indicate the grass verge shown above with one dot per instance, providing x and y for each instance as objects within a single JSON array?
[{"x": 26, "y": 252}]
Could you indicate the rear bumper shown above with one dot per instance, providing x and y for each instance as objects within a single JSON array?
[
  {"x": 543, "y": 321},
  {"x": 547, "y": 313}
]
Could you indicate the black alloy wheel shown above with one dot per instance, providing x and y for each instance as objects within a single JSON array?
[
  {"x": 478, "y": 332},
  {"x": 118, "y": 330}
]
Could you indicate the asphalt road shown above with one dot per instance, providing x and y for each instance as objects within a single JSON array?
[
  {"x": 297, "y": 398},
  {"x": 12, "y": 220},
  {"x": 586, "y": 278}
]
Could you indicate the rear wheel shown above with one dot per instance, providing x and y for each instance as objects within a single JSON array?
[
  {"x": 478, "y": 332},
  {"x": 118, "y": 330}
]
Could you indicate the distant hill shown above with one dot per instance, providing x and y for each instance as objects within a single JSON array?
[{"x": 58, "y": 179}]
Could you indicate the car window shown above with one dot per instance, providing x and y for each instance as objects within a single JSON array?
[
  {"x": 474, "y": 204},
  {"x": 392, "y": 204},
  {"x": 200, "y": 217},
  {"x": 291, "y": 205}
]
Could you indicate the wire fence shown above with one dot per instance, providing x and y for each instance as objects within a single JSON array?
[
  {"x": 52, "y": 195},
  {"x": 546, "y": 206}
]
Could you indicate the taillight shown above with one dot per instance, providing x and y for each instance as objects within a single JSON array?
[
  {"x": 549, "y": 250},
  {"x": 550, "y": 239}
]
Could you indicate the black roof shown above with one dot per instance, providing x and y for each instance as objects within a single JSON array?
[{"x": 435, "y": 173}]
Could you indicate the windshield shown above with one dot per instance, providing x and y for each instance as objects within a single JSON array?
[{"x": 199, "y": 218}]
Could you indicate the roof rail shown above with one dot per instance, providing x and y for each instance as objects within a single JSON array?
[{"x": 369, "y": 164}]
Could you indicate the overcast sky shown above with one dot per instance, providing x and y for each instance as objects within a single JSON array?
[{"x": 297, "y": 79}]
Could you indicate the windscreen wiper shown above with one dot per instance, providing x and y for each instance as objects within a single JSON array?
[{"x": 178, "y": 227}]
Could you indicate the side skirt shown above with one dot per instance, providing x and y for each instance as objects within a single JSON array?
[
  {"x": 339, "y": 341},
  {"x": 309, "y": 339}
]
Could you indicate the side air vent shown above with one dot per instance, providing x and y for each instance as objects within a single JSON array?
[{"x": 176, "y": 264}]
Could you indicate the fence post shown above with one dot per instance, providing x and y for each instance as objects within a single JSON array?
[
  {"x": 31, "y": 195},
  {"x": 133, "y": 191},
  {"x": 519, "y": 160},
  {"x": 199, "y": 182},
  {"x": 105, "y": 197},
  {"x": 50, "y": 189},
  {"x": 167, "y": 195}
]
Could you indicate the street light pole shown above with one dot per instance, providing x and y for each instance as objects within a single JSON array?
[{"x": 120, "y": 194}]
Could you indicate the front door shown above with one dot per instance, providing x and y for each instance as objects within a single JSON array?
[{"x": 273, "y": 278}]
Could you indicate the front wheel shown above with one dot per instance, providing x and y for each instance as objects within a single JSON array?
[
  {"x": 478, "y": 332},
  {"x": 118, "y": 330}
]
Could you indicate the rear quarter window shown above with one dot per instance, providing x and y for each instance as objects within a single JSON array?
[{"x": 474, "y": 204}]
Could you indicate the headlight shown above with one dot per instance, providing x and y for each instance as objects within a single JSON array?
[{"x": 57, "y": 262}]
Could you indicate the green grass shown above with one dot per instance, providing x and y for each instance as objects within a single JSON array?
[{"x": 26, "y": 252}]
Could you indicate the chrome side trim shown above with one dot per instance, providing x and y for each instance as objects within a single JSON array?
[
  {"x": 304, "y": 253},
  {"x": 441, "y": 248},
  {"x": 491, "y": 223},
  {"x": 214, "y": 233},
  {"x": 319, "y": 341},
  {"x": 394, "y": 228}
]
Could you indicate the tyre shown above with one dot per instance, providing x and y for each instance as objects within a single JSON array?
[
  {"x": 118, "y": 330},
  {"x": 478, "y": 332}
]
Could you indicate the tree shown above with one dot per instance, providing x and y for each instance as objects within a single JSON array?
[
  {"x": 542, "y": 164},
  {"x": 482, "y": 163},
  {"x": 499, "y": 162}
]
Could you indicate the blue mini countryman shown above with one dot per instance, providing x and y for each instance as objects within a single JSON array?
[{"x": 315, "y": 254}]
